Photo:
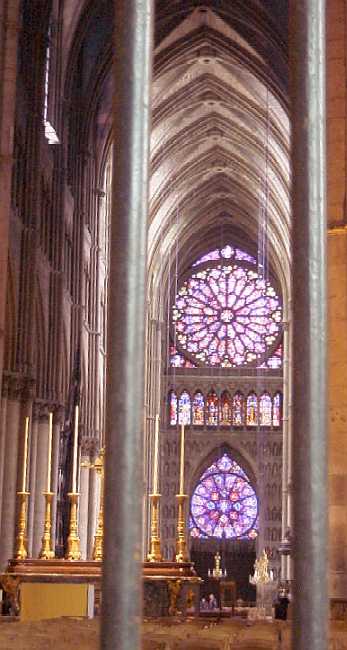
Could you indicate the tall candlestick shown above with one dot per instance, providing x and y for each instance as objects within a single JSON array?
[
  {"x": 182, "y": 461},
  {"x": 75, "y": 447},
  {"x": 25, "y": 456},
  {"x": 50, "y": 436},
  {"x": 156, "y": 456}
]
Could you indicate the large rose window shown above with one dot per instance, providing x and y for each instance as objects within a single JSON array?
[
  {"x": 224, "y": 503},
  {"x": 226, "y": 315}
]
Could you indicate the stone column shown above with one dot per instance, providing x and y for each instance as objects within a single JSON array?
[
  {"x": 93, "y": 504},
  {"x": 307, "y": 60},
  {"x": 84, "y": 501},
  {"x": 3, "y": 420},
  {"x": 40, "y": 480},
  {"x": 32, "y": 476},
  {"x": 9, "y": 27},
  {"x": 10, "y": 485},
  {"x": 122, "y": 575}
]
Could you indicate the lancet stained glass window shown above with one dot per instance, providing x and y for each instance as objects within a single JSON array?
[
  {"x": 224, "y": 503},
  {"x": 238, "y": 410},
  {"x": 277, "y": 410},
  {"x": 173, "y": 407},
  {"x": 198, "y": 409},
  {"x": 265, "y": 410},
  {"x": 252, "y": 410},
  {"x": 225, "y": 409},
  {"x": 212, "y": 403},
  {"x": 184, "y": 411},
  {"x": 226, "y": 315}
]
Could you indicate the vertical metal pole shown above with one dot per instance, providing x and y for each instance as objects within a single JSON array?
[
  {"x": 122, "y": 569},
  {"x": 307, "y": 58}
]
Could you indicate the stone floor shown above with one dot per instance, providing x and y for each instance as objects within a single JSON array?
[{"x": 83, "y": 634}]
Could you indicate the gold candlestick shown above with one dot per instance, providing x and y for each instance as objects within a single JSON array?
[
  {"x": 21, "y": 551},
  {"x": 181, "y": 541},
  {"x": 99, "y": 533},
  {"x": 46, "y": 552},
  {"x": 73, "y": 540},
  {"x": 155, "y": 551}
]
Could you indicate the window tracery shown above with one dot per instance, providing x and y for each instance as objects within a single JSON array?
[{"x": 224, "y": 503}]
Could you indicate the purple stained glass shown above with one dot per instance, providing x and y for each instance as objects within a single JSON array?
[
  {"x": 252, "y": 410},
  {"x": 224, "y": 503},
  {"x": 226, "y": 316},
  {"x": 184, "y": 410},
  {"x": 277, "y": 410},
  {"x": 198, "y": 409},
  {"x": 173, "y": 408},
  {"x": 227, "y": 252},
  {"x": 265, "y": 410},
  {"x": 178, "y": 360}
]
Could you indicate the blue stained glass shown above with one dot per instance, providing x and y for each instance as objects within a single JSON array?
[
  {"x": 184, "y": 410},
  {"x": 173, "y": 408},
  {"x": 277, "y": 410},
  {"x": 228, "y": 507}
]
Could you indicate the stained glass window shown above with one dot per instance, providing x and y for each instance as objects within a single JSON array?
[
  {"x": 275, "y": 361},
  {"x": 277, "y": 410},
  {"x": 224, "y": 503},
  {"x": 225, "y": 409},
  {"x": 226, "y": 316},
  {"x": 178, "y": 360},
  {"x": 252, "y": 410},
  {"x": 184, "y": 410},
  {"x": 238, "y": 410},
  {"x": 265, "y": 410},
  {"x": 198, "y": 409},
  {"x": 227, "y": 252},
  {"x": 172, "y": 408},
  {"x": 212, "y": 404}
]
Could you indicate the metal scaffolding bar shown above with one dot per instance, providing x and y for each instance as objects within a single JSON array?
[
  {"x": 307, "y": 68},
  {"x": 122, "y": 569}
]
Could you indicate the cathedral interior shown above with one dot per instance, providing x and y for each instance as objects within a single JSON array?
[{"x": 218, "y": 325}]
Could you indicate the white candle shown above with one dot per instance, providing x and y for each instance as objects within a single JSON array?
[
  {"x": 182, "y": 461},
  {"x": 75, "y": 447},
  {"x": 50, "y": 436},
  {"x": 156, "y": 456},
  {"x": 25, "y": 456}
]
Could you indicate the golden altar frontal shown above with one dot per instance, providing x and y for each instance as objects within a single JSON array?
[{"x": 169, "y": 588}]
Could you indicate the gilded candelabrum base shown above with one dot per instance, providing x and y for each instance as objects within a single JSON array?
[
  {"x": 154, "y": 554},
  {"x": 21, "y": 552},
  {"x": 181, "y": 540},
  {"x": 46, "y": 552},
  {"x": 73, "y": 540}
]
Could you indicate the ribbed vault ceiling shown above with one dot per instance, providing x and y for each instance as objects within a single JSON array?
[{"x": 220, "y": 145}]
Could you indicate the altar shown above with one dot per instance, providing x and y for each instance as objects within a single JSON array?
[{"x": 74, "y": 588}]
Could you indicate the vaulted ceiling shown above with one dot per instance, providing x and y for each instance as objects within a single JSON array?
[{"x": 220, "y": 126}]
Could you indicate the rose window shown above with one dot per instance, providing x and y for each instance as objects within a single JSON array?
[
  {"x": 227, "y": 315},
  {"x": 224, "y": 503}
]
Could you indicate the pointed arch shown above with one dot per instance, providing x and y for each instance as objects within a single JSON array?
[
  {"x": 224, "y": 503},
  {"x": 212, "y": 408},
  {"x": 172, "y": 403},
  {"x": 238, "y": 409},
  {"x": 184, "y": 408},
  {"x": 265, "y": 410},
  {"x": 225, "y": 412}
]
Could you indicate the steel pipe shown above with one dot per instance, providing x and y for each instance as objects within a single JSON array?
[
  {"x": 122, "y": 567},
  {"x": 307, "y": 68}
]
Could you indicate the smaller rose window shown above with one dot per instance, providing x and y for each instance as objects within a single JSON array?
[{"x": 224, "y": 503}]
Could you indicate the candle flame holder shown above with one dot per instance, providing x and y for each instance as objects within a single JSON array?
[
  {"x": 21, "y": 550},
  {"x": 155, "y": 551},
  {"x": 73, "y": 540},
  {"x": 46, "y": 552},
  {"x": 181, "y": 540}
]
